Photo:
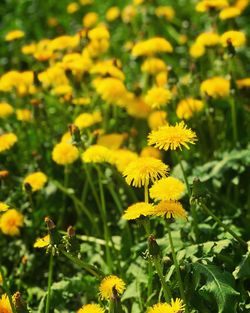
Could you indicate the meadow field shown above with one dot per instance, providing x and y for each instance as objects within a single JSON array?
[{"x": 124, "y": 156}]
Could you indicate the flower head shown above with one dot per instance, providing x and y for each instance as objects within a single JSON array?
[
  {"x": 85, "y": 120},
  {"x": 5, "y": 306},
  {"x": 36, "y": 180},
  {"x": 229, "y": 12},
  {"x": 152, "y": 46},
  {"x": 64, "y": 153},
  {"x": 157, "y": 119},
  {"x": 10, "y": 222},
  {"x": 170, "y": 209},
  {"x": 42, "y": 242},
  {"x": 177, "y": 305},
  {"x": 3, "y": 207},
  {"x": 112, "y": 14},
  {"x": 216, "y": 87},
  {"x": 107, "y": 285},
  {"x": 14, "y": 34},
  {"x": 205, "y": 5},
  {"x": 160, "y": 308},
  {"x": 7, "y": 141},
  {"x": 169, "y": 188},
  {"x": 91, "y": 308},
  {"x": 143, "y": 170},
  {"x": 186, "y": 108},
  {"x": 137, "y": 210},
  {"x": 122, "y": 157},
  {"x": 172, "y": 137},
  {"x": 5, "y": 110},
  {"x": 236, "y": 38},
  {"x": 97, "y": 154},
  {"x": 157, "y": 97}
]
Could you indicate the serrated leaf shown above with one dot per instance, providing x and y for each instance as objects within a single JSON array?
[
  {"x": 242, "y": 271},
  {"x": 218, "y": 284}
]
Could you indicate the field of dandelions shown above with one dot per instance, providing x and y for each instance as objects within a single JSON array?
[{"x": 124, "y": 156}]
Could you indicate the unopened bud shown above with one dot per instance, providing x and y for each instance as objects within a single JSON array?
[
  {"x": 19, "y": 303},
  {"x": 50, "y": 224},
  {"x": 153, "y": 247}
]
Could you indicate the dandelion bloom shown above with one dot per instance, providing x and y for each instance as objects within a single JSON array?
[
  {"x": 14, "y": 34},
  {"x": 143, "y": 170},
  {"x": 151, "y": 152},
  {"x": 243, "y": 83},
  {"x": 72, "y": 7},
  {"x": 157, "y": 97},
  {"x": 176, "y": 306},
  {"x": 215, "y": 87},
  {"x": 85, "y": 120},
  {"x": 197, "y": 50},
  {"x": 168, "y": 188},
  {"x": 3, "y": 207},
  {"x": 112, "y": 14},
  {"x": 91, "y": 308},
  {"x": 90, "y": 19},
  {"x": 36, "y": 180},
  {"x": 10, "y": 222},
  {"x": 169, "y": 209},
  {"x": 97, "y": 154},
  {"x": 5, "y": 306},
  {"x": 208, "y": 39},
  {"x": 236, "y": 38},
  {"x": 5, "y": 110},
  {"x": 157, "y": 119},
  {"x": 186, "y": 108},
  {"x": 229, "y": 12},
  {"x": 64, "y": 153},
  {"x": 153, "y": 66},
  {"x": 137, "y": 210},
  {"x": 172, "y": 137},
  {"x": 165, "y": 11},
  {"x": 42, "y": 242},
  {"x": 107, "y": 285},
  {"x": 24, "y": 115},
  {"x": 111, "y": 141},
  {"x": 7, "y": 141},
  {"x": 151, "y": 46},
  {"x": 205, "y": 5},
  {"x": 122, "y": 157}
]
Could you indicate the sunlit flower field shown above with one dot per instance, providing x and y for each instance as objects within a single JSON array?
[{"x": 124, "y": 156}]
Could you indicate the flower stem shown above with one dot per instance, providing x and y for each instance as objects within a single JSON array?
[
  {"x": 166, "y": 290},
  {"x": 227, "y": 228},
  {"x": 50, "y": 275},
  {"x": 146, "y": 193},
  {"x": 234, "y": 119},
  {"x": 176, "y": 264},
  {"x": 7, "y": 290}
]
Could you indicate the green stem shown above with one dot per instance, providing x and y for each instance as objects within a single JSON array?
[
  {"x": 176, "y": 264},
  {"x": 104, "y": 220},
  {"x": 50, "y": 275},
  {"x": 89, "y": 268},
  {"x": 7, "y": 290},
  {"x": 234, "y": 119},
  {"x": 146, "y": 193},
  {"x": 166, "y": 290},
  {"x": 227, "y": 228}
]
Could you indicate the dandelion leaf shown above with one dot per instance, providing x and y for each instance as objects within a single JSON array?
[{"x": 242, "y": 271}]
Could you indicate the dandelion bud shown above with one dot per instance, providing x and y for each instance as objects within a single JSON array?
[
  {"x": 71, "y": 232},
  {"x": 75, "y": 134},
  {"x": 50, "y": 224},
  {"x": 153, "y": 247},
  {"x": 28, "y": 188},
  {"x": 230, "y": 48},
  {"x": 19, "y": 303},
  {"x": 4, "y": 174},
  {"x": 116, "y": 301}
]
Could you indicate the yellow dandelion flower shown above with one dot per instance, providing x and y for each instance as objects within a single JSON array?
[
  {"x": 172, "y": 137},
  {"x": 165, "y": 11},
  {"x": 99, "y": 33},
  {"x": 122, "y": 157},
  {"x": 72, "y": 7},
  {"x": 157, "y": 119},
  {"x": 7, "y": 141},
  {"x": 229, "y": 12},
  {"x": 90, "y": 19},
  {"x": 81, "y": 101},
  {"x": 86, "y": 120},
  {"x": 157, "y": 97},
  {"x": 137, "y": 107},
  {"x": 169, "y": 188},
  {"x": 3, "y": 207},
  {"x": 160, "y": 308},
  {"x": 42, "y": 242},
  {"x": 107, "y": 68},
  {"x": 161, "y": 79},
  {"x": 5, "y": 110},
  {"x": 216, "y": 87},
  {"x": 36, "y": 180},
  {"x": 151, "y": 152},
  {"x": 4, "y": 173},
  {"x": 177, "y": 305},
  {"x": 64, "y": 153},
  {"x": 153, "y": 66},
  {"x": 241, "y": 4},
  {"x": 128, "y": 13},
  {"x": 170, "y": 209},
  {"x": 107, "y": 285},
  {"x": 10, "y": 222},
  {"x": 144, "y": 170},
  {"x": 187, "y": 108},
  {"x": 112, "y": 14},
  {"x": 5, "y": 306},
  {"x": 24, "y": 115},
  {"x": 205, "y": 5},
  {"x": 111, "y": 141},
  {"x": 62, "y": 90},
  {"x": 208, "y": 39},
  {"x": 243, "y": 83},
  {"x": 14, "y": 34},
  {"x": 151, "y": 46},
  {"x": 236, "y": 38},
  {"x": 197, "y": 50},
  {"x": 91, "y": 308},
  {"x": 137, "y": 210},
  {"x": 97, "y": 154}
]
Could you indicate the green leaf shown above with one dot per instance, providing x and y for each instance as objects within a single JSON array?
[
  {"x": 242, "y": 271},
  {"x": 218, "y": 285}
]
